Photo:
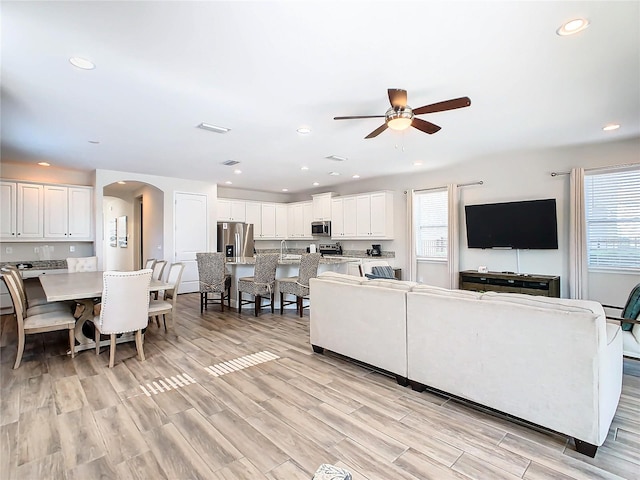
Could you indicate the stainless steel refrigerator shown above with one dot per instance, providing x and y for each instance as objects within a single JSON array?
[{"x": 235, "y": 239}]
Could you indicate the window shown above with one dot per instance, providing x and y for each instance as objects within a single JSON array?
[
  {"x": 612, "y": 211},
  {"x": 431, "y": 224}
]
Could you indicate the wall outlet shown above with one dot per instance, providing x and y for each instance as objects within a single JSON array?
[
  {"x": 36, "y": 250},
  {"x": 8, "y": 250},
  {"x": 72, "y": 248}
]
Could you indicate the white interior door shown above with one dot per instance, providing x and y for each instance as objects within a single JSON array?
[{"x": 190, "y": 223}]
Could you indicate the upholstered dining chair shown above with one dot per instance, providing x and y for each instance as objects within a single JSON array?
[
  {"x": 125, "y": 308},
  {"x": 48, "y": 321},
  {"x": 168, "y": 303},
  {"x": 261, "y": 284},
  {"x": 299, "y": 286},
  {"x": 213, "y": 279},
  {"x": 28, "y": 308},
  {"x": 82, "y": 264},
  {"x": 158, "y": 271},
  {"x": 33, "y": 290},
  {"x": 149, "y": 263}
]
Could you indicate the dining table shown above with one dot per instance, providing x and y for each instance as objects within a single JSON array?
[{"x": 83, "y": 288}]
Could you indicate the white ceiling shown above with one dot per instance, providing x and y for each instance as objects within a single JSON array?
[{"x": 264, "y": 69}]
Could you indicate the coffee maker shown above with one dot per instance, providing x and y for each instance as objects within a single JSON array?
[{"x": 376, "y": 251}]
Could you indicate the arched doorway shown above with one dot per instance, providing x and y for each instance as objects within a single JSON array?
[{"x": 133, "y": 216}]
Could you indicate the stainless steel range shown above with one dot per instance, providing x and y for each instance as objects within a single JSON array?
[{"x": 330, "y": 249}]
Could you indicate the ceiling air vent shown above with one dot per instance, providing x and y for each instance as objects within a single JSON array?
[
  {"x": 336, "y": 158},
  {"x": 230, "y": 163}
]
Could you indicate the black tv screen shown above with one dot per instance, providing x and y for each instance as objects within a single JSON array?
[{"x": 530, "y": 224}]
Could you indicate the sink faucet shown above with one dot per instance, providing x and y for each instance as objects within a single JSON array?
[{"x": 283, "y": 247}]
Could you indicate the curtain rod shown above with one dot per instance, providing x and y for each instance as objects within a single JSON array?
[
  {"x": 606, "y": 167},
  {"x": 481, "y": 182}
]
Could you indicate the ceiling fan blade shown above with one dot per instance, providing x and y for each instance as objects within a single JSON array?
[
  {"x": 443, "y": 106},
  {"x": 423, "y": 125},
  {"x": 377, "y": 131},
  {"x": 359, "y": 116},
  {"x": 397, "y": 97}
]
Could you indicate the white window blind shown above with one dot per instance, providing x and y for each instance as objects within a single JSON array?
[
  {"x": 612, "y": 210},
  {"x": 431, "y": 223}
]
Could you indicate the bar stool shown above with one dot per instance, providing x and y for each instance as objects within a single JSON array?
[
  {"x": 299, "y": 286},
  {"x": 213, "y": 279},
  {"x": 261, "y": 284}
]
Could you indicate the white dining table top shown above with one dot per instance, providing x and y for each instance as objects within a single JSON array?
[{"x": 76, "y": 286}]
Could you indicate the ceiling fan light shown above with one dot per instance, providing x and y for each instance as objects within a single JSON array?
[{"x": 399, "y": 119}]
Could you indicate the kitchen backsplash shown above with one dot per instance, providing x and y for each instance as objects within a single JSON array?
[{"x": 25, "y": 251}]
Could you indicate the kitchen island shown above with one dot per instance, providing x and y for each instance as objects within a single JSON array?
[{"x": 288, "y": 266}]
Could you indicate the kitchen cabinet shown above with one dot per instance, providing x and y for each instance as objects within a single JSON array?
[
  {"x": 300, "y": 216},
  {"x": 322, "y": 206},
  {"x": 29, "y": 214},
  {"x": 344, "y": 217},
  {"x": 254, "y": 216},
  {"x": 8, "y": 210},
  {"x": 231, "y": 210},
  {"x": 365, "y": 216},
  {"x": 268, "y": 221},
  {"x": 281, "y": 221},
  {"x": 67, "y": 212},
  {"x": 32, "y": 211}
]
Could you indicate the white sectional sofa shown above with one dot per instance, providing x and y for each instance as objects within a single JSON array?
[{"x": 556, "y": 363}]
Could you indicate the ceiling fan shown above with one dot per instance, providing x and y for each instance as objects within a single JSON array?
[{"x": 401, "y": 115}]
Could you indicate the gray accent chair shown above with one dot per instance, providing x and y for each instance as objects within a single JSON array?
[
  {"x": 299, "y": 286},
  {"x": 213, "y": 279},
  {"x": 262, "y": 284}
]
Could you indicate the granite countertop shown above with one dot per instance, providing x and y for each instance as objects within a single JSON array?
[
  {"x": 40, "y": 264},
  {"x": 293, "y": 261}
]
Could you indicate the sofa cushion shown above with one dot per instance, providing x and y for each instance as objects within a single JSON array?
[
  {"x": 389, "y": 283},
  {"x": 446, "y": 292},
  {"x": 560, "y": 304},
  {"x": 341, "y": 277}
]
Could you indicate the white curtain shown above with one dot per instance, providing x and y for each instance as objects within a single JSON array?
[
  {"x": 453, "y": 243},
  {"x": 412, "y": 261},
  {"x": 578, "y": 272}
]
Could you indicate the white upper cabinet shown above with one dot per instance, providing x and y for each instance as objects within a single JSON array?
[
  {"x": 365, "y": 216},
  {"x": 67, "y": 212},
  {"x": 254, "y": 216},
  {"x": 281, "y": 221},
  {"x": 29, "y": 217},
  {"x": 231, "y": 210},
  {"x": 322, "y": 206},
  {"x": 33, "y": 211},
  {"x": 268, "y": 230},
  {"x": 8, "y": 210},
  {"x": 300, "y": 216}
]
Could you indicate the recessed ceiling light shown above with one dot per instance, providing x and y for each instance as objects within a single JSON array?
[
  {"x": 337, "y": 158},
  {"x": 304, "y": 168},
  {"x": 334, "y": 174},
  {"x": 95, "y": 142},
  {"x": 213, "y": 128},
  {"x": 237, "y": 172},
  {"x": 610, "y": 127},
  {"x": 315, "y": 184},
  {"x": 417, "y": 164},
  {"x": 44, "y": 164},
  {"x": 122, "y": 183},
  {"x": 285, "y": 189},
  {"x": 228, "y": 182},
  {"x": 356, "y": 176},
  {"x": 303, "y": 130},
  {"x": 82, "y": 63},
  {"x": 572, "y": 26}
]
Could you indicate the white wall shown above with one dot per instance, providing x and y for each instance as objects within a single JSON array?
[
  {"x": 169, "y": 186},
  {"x": 509, "y": 177}
]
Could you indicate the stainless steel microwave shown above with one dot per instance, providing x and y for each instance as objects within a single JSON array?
[{"x": 321, "y": 229}]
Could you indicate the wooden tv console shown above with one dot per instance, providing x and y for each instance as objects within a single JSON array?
[{"x": 544, "y": 285}]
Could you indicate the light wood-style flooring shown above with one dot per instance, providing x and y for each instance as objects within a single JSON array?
[{"x": 273, "y": 418}]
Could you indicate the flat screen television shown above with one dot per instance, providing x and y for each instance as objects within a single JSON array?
[{"x": 530, "y": 224}]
